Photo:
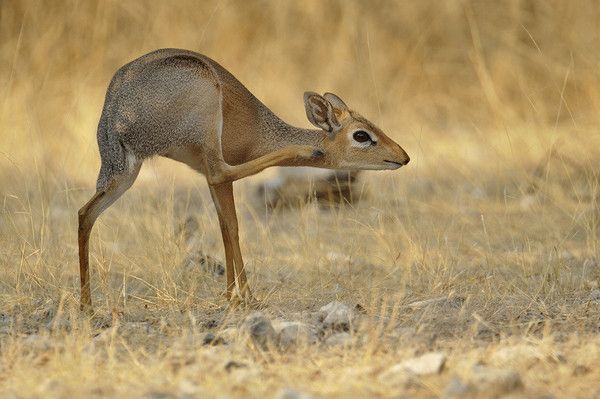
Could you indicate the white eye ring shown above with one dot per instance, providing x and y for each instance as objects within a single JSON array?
[{"x": 362, "y": 139}]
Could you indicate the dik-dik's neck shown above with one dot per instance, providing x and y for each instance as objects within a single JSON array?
[{"x": 279, "y": 134}]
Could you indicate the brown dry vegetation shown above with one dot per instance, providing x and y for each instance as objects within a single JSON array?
[{"x": 495, "y": 101}]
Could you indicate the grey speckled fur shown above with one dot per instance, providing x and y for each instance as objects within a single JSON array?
[{"x": 150, "y": 109}]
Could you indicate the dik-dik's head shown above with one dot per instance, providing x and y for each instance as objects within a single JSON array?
[{"x": 352, "y": 141}]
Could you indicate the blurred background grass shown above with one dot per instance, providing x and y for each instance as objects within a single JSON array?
[
  {"x": 413, "y": 67},
  {"x": 496, "y": 102}
]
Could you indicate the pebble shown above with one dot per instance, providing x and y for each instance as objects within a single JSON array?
[
  {"x": 495, "y": 382},
  {"x": 291, "y": 393},
  {"x": 294, "y": 334},
  {"x": 37, "y": 343},
  {"x": 337, "y": 316},
  {"x": 210, "y": 339},
  {"x": 5, "y": 319},
  {"x": 59, "y": 323},
  {"x": 517, "y": 354},
  {"x": 5, "y": 323},
  {"x": 429, "y": 363},
  {"x": 260, "y": 330},
  {"x": 338, "y": 340},
  {"x": 198, "y": 260},
  {"x": 397, "y": 376},
  {"x": 590, "y": 263},
  {"x": 232, "y": 365},
  {"x": 456, "y": 388},
  {"x": 229, "y": 334}
]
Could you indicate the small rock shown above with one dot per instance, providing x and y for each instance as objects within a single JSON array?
[
  {"x": 59, "y": 323},
  {"x": 212, "y": 323},
  {"x": 5, "y": 323},
  {"x": 404, "y": 332},
  {"x": 187, "y": 389},
  {"x": 580, "y": 369},
  {"x": 43, "y": 314},
  {"x": 495, "y": 382},
  {"x": 429, "y": 363},
  {"x": 295, "y": 334},
  {"x": 566, "y": 255},
  {"x": 595, "y": 297},
  {"x": 532, "y": 316},
  {"x": 398, "y": 377},
  {"x": 36, "y": 342},
  {"x": 338, "y": 340},
  {"x": 229, "y": 334},
  {"x": 590, "y": 264},
  {"x": 453, "y": 302},
  {"x": 210, "y": 339},
  {"x": 232, "y": 365},
  {"x": 136, "y": 327},
  {"x": 259, "y": 329},
  {"x": 291, "y": 393},
  {"x": 159, "y": 395},
  {"x": 198, "y": 260},
  {"x": 528, "y": 201},
  {"x": 337, "y": 316},
  {"x": 5, "y": 319},
  {"x": 517, "y": 354},
  {"x": 456, "y": 388},
  {"x": 338, "y": 257}
]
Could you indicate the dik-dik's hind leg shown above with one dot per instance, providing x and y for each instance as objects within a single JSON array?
[
  {"x": 225, "y": 205},
  {"x": 104, "y": 197}
]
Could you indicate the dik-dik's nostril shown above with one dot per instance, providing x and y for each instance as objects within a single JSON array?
[{"x": 407, "y": 160}]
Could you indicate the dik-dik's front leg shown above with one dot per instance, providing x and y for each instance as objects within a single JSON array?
[
  {"x": 222, "y": 196},
  {"x": 219, "y": 172}
]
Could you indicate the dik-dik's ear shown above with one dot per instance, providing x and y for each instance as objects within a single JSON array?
[
  {"x": 336, "y": 102},
  {"x": 320, "y": 113}
]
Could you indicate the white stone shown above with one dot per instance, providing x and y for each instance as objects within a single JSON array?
[
  {"x": 339, "y": 340},
  {"x": 429, "y": 363},
  {"x": 291, "y": 393},
  {"x": 517, "y": 354},
  {"x": 338, "y": 316},
  {"x": 294, "y": 334}
]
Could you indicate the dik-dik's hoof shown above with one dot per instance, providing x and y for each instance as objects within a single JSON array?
[
  {"x": 87, "y": 310},
  {"x": 246, "y": 301}
]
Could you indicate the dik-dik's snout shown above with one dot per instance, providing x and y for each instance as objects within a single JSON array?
[
  {"x": 404, "y": 158},
  {"x": 399, "y": 158}
]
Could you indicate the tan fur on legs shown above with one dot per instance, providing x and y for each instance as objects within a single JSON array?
[
  {"x": 226, "y": 208},
  {"x": 229, "y": 261},
  {"x": 223, "y": 173},
  {"x": 87, "y": 217},
  {"x": 85, "y": 227}
]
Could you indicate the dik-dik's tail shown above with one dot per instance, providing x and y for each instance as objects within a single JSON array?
[{"x": 112, "y": 154}]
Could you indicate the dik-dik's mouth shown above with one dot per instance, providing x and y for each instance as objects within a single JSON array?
[{"x": 392, "y": 164}]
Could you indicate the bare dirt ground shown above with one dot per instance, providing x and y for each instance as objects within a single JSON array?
[{"x": 495, "y": 273}]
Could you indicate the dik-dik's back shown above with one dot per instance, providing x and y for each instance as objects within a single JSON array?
[{"x": 170, "y": 99}]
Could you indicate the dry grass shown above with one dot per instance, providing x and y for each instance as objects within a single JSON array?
[{"x": 496, "y": 102}]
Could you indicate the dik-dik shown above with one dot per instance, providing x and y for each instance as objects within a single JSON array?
[{"x": 182, "y": 105}]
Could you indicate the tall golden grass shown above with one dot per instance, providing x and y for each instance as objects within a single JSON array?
[
  {"x": 497, "y": 102},
  {"x": 437, "y": 64}
]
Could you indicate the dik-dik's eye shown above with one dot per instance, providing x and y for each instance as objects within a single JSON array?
[{"x": 361, "y": 136}]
